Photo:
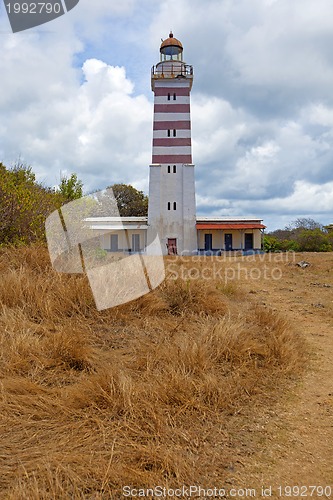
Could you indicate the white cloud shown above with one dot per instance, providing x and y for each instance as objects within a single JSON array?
[
  {"x": 309, "y": 198},
  {"x": 57, "y": 122},
  {"x": 318, "y": 114}
]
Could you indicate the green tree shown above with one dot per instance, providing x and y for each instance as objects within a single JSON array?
[
  {"x": 301, "y": 235},
  {"x": 271, "y": 244},
  {"x": 313, "y": 240},
  {"x": 24, "y": 205},
  {"x": 130, "y": 201},
  {"x": 274, "y": 244},
  {"x": 70, "y": 188}
]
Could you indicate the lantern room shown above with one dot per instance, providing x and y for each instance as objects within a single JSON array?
[
  {"x": 171, "y": 49},
  {"x": 171, "y": 65}
]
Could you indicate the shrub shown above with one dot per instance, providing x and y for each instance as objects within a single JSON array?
[{"x": 313, "y": 240}]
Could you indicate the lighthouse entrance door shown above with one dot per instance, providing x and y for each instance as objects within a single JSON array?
[{"x": 172, "y": 246}]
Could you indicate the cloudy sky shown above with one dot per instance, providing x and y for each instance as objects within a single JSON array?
[{"x": 75, "y": 97}]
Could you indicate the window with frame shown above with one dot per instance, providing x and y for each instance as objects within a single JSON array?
[
  {"x": 174, "y": 205},
  {"x": 174, "y": 169},
  {"x": 174, "y": 96},
  {"x": 174, "y": 132},
  {"x": 169, "y": 205},
  {"x": 169, "y": 169},
  {"x": 114, "y": 243},
  {"x": 169, "y": 133},
  {"x": 135, "y": 242}
]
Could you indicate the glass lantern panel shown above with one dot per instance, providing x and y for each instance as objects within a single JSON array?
[{"x": 171, "y": 50}]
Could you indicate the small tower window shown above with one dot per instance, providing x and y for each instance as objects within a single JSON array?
[
  {"x": 174, "y": 132},
  {"x": 174, "y": 97},
  {"x": 169, "y": 205},
  {"x": 174, "y": 205},
  {"x": 169, "y": 133},
  {"x": 174, "y": 169},
  {"x": 169, "y": 169},
  {"x": 169, "y": 96}
]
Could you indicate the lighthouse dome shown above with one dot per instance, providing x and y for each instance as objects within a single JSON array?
[
  {"x": 171, "y": 48},
  {"x": 171, "y": 42}
]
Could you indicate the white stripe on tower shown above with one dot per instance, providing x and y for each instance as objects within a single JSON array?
[
  {"x": 160, "y": 134},
  {"x": 180, "y": 99},
  {"x": 172, "y": 123},
  {"x": 171, "y": 115}
]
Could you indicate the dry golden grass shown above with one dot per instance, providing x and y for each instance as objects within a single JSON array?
[{"x": 143, "y": 394}]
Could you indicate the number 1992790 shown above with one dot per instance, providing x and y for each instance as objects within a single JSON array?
[{"x": 34, "y": 8}]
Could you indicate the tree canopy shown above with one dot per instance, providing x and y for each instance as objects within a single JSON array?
[
  {"x": 25, "y": 203},
  {"x": 130, "y": 201},
  {"x": 301, "y": 235},
  {"x": 119, "y": 200},
  {"x": 70, "y": 188}
]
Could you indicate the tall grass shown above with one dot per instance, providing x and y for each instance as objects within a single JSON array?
[{"x": 139, "y": 395}]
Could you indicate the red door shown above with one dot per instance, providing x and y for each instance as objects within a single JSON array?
[{"x": 172, "y": 246}]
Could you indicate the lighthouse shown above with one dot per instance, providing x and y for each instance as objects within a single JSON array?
[
  {"x": 172, "y": 210},
  {"x": 172, "y": 226}
]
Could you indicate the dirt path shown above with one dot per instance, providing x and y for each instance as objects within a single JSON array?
[{"x": 296, "y": 444}]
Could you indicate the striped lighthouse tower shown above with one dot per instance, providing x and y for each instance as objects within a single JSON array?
[{"x": 171, "y": 181}]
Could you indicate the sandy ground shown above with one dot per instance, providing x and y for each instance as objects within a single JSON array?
[{"x": 292, "y": 444}]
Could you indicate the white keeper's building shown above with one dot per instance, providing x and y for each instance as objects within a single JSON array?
[{"x": 172, "y": 209}]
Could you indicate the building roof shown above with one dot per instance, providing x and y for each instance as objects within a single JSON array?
[
  {"x": 102, "y": 219},
  {"x": 116, "y": 223},
  {"x": 202, "y": 223},
  {"x": 228, "y": 219},
  {"x": 200, "y": 220},
  {"x": 230, "y": 225}
]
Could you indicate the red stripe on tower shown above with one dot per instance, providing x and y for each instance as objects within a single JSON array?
[
  {"x": 169, "y": 142},
  {"x": 180, "y": 125},
  {"x": 166, "y": 159},
  {"x": 164, "y": 91},
  {"x": 171, "y": 108}
]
